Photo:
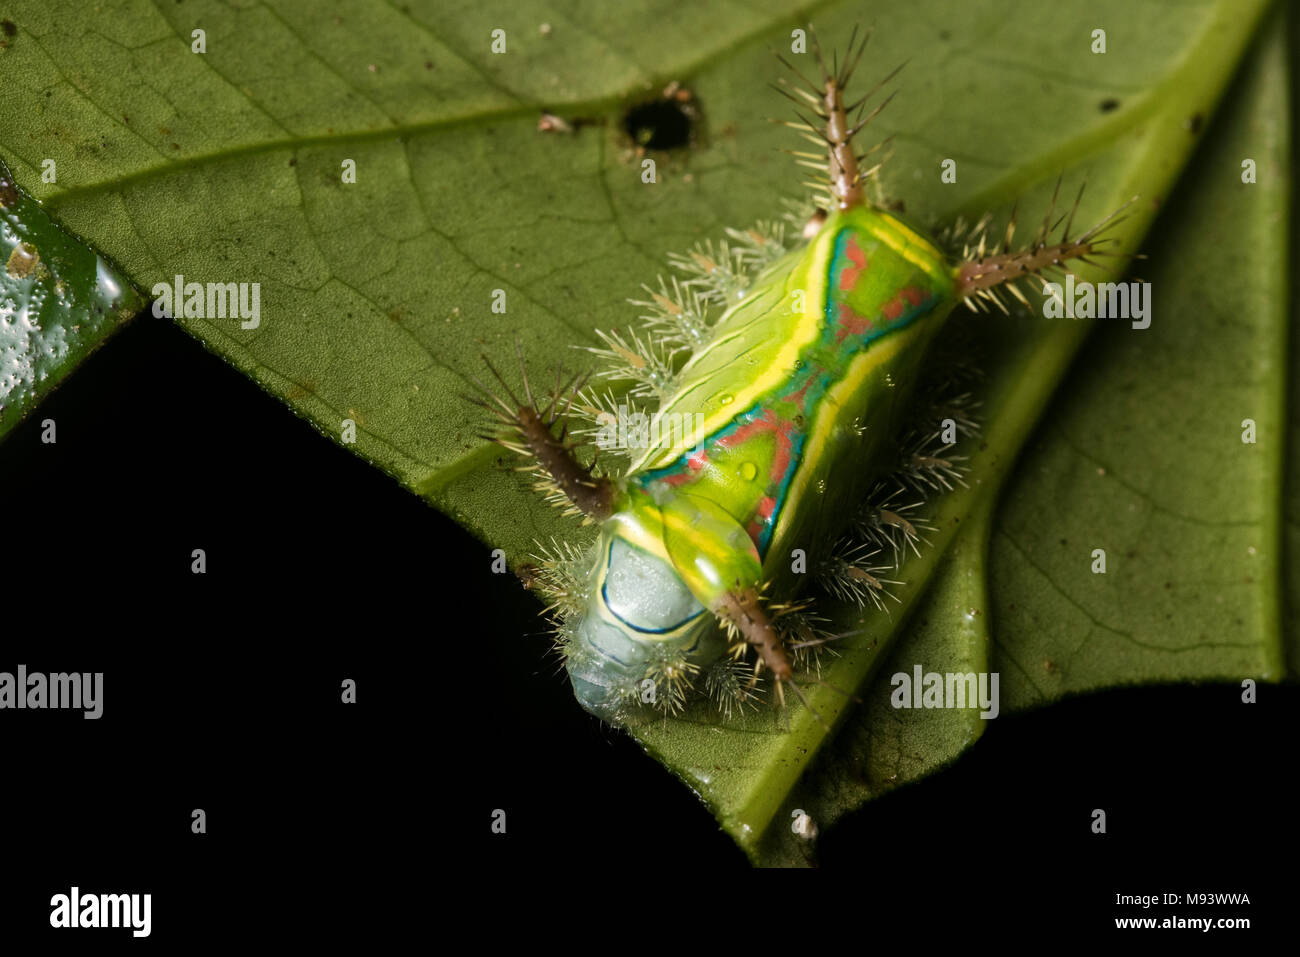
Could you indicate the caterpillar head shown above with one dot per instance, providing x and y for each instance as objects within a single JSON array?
[{"x": 641, "y": 636}]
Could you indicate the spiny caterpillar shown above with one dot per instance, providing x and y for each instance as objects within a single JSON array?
[{"x": 813, "y": 455}]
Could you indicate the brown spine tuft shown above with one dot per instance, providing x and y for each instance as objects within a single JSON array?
[
  {"x": 1008, "y": 267},
  {"x": 593, "y": 496},
  {"x": 744, "y": 611}
]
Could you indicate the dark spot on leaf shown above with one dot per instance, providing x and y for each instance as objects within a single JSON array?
[
  {"x": 1194, "y": 123},
  {"x": 945, "y": 35},
  {"x": 661, "y": 124},
  {"x": 293, "y": 161},
  {"x": 9, "y": 27},
  {"x": 1107, "y": 105},
  {"x": 8, "y": 192}
]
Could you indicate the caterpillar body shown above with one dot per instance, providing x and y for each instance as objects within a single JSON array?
[{"x": 802, "y": 387}]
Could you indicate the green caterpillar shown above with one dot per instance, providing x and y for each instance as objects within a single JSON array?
[{"x": 800, "y": 391}]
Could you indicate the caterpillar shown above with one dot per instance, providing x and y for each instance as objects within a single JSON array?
[{"x": 805, "y": 392}]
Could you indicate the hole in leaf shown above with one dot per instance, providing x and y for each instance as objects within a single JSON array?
[{"x": 661, "y": 124}]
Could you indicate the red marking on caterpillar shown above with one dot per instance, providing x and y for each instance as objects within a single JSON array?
[
  {"x": 894, "y": 308},
  {"x": 851, "y": 324},
  {"x": 849, "y": 274}
]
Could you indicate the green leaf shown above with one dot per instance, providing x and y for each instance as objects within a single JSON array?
[
  {"x": 59, "y": 300},
  {"x": 225, "y": 166},
  {"x": 1291, "y": 484},
  {"x": 1143, "y": 456}
]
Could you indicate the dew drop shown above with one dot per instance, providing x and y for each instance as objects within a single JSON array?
[
  {"x": 106, "y": 283},
  {"x": 748, "y": 471}
]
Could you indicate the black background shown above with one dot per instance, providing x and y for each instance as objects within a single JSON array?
[{"x": 222, "y": 692}]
